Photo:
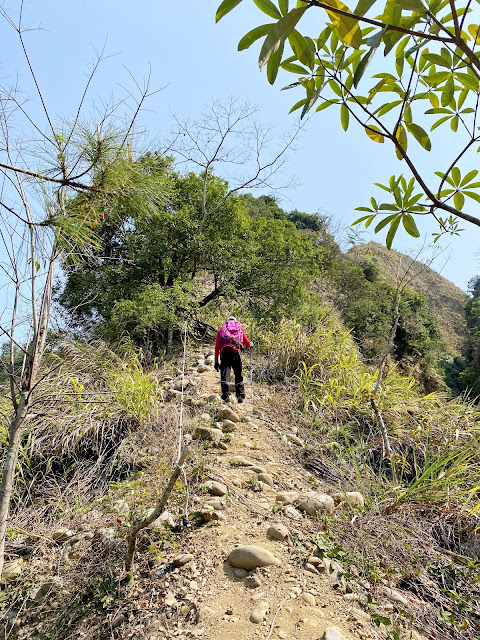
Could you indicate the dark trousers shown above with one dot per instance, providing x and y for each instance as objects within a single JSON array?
[{"x": 230, "y": 359}]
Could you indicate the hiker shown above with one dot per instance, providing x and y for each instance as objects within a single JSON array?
[{"x": 231, "y": 340}]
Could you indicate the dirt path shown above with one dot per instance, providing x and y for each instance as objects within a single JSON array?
[{"x": 301, "y": 604}]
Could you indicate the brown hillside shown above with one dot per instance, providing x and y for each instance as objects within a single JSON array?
[{"x": 446, "y": 300}]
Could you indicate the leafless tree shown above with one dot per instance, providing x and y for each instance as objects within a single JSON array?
[{"x": 57, "y": 179}]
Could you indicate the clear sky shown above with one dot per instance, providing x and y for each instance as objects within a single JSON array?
[{"x": 197, "y": 61}]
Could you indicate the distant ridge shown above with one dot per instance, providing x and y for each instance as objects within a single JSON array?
[{"x": 446, "y": 300}]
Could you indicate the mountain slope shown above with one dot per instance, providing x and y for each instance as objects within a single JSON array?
[{"x": 445, "y": 299}]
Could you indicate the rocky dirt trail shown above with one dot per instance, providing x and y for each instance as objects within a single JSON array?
[{"x": 252, "y": 570}]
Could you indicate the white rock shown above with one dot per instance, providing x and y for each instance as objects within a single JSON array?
[
  {"x": 228, "y": 426},
  {"x": 353, "y": 498},
  {"x": 206, "y": 417},
  {"x": 225, "y": 413},
  {"x": 279, "y": 532},
  {"x": 309, "y": 598},
  {"x": 396, "y": 596},
  {"x": 287, "y": 497},
  {"x": 266, "y": 478},
  {"x": 12, "y": 570},
  {"x": 180, "y": 561},
  {"x": 215, "y": 488},
  {"x": 295, "y": 439},
  {"x": 206, "y": 433},
  {"x": 250, "y": 557},
  {"x": 332, "y": 633},
  {"x": 62, "y": 534},
  {"x": 259, "y": 613},
  {"x": 315, "y": 503}
]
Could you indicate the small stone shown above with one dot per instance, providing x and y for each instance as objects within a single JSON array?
[
  {"x": 295, "y": 439},
  {"x": 240, "y": 573},
  {"x": 215, "y": 503},
  {"x": 228, "y": 426},
  {"x": 62, "y": 534},
  {"x": 204, "y": 613},
  {"x": 12, "y": 570},
  {"x": 315, "y": 560},
  {"x": 292, "y": 513},
  {"x": 396, "y": 596},
  {"x": 206, "y": 417},
  {"x": 279, "y": 532},
  {"x": 213, "y": 397},
  {"x": 206, "y": 433},
  {"x": 253, "y": 582},
  {"x": 225, "y": 413},
  {"x": 203, "y": 368},
  {"x": 287, "y": 497},
  {"x": 215, "y": 488},
  {"x": 118, "y": 621},
  {"x": 310, "y": 568},
  {"x": 257, "y": 469},
  {"x": 308, "y": 598},
  {"x": 315, "y": 503},
  {"x": 353, "y": 498},
  {"x": 180, "y": 561},
  {"x": 332, "y": 633},
  {"x": 265, "y": 478},
  {"x": 210, "y": 359},
  {"x": 207, "y": 514},
  {"x": 351, "y": 597},
  {"x": 259, "y": 613},
  {"x": 250, "y": 557}
]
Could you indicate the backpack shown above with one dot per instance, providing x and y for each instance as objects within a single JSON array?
[{"x": 231, "y": 336}]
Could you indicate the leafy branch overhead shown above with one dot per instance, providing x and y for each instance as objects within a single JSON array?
[{"x": 427, "y": 80}]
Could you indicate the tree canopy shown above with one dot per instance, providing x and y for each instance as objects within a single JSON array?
[{"x": 430, "y": 74}]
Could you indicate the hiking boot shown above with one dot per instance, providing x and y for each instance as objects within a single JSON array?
[{"x": 240, "y": 400}]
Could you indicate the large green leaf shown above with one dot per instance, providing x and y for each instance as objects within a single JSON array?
[
  {"x": 434, "y": 58},
  {"x": 374, "y": 133},
  {"x": 344, "y": 116},
  {"x": 253, "y": 35},
  {"x": 269, "y": 8},
  {"x": 392, "y": 231},
  {"x": 278, "y": 34},
  {"x": 448, "y": 92},
  {"x": 364, "y": 62},
  {"x": 347, "y": 27},
  {"x": 301, "y": 48},
  {"x": 363, "y": 6},
  {"x": 410, "y": 225},
  {"x": 273, "y": 64},
  {"x": 226, "y": 7},
  {"x": 402, "y": 140},
  {"x": 384, "y": 222},
  {"x": 283, "y": 4},
  {"x": 467, "y": 80},
  {"x": 420, "y": 135},
  {"x": 459, "y": 200}
]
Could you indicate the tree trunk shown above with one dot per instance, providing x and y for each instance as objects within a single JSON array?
[
  {"x": 169, "y": 339},
  {"x": 8, "y": 474}
]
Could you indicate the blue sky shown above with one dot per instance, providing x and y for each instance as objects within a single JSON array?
[{"x": 196, "y": 61}]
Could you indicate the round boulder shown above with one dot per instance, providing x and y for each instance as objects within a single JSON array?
[{"x": 250, "y": 557}]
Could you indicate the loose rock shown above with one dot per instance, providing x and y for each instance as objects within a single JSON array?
[
  {"x": 259, "y": 613},
  {"x": 206, "y": 417},
  {"x": 257, "y": 469},
  {"x": 215, "y": 488},
  {"x": 287, "y": 497},
  {"x": 266, "y": 478},
  {"x": 203, "y": 368},
  {"x": 240, "y": 573},
  {"x": 228, "y": 426},
  {"x": 315, "y": 503},
  {"x": 396, "y": 596},
  {"x": 332, "y": 633},
  {"x": 12, "y": 570},
  {"x": 213, "y": 397},
  {"x": 308, "y": 598},
  {"x": 310, "y": 568},
  {"x": 295, "y": 439},
  {"x": 61, "y": 535},
  {"x": 279, "y": 532},
  {"x": 250, "y": 557},
  {"x": 225, "y": 413},
  {"x": 253, "y": 582},
  {"x": 180, "y": 561},
  {"x": 215, "y": 503},
  {"x": 353, "y": 498},
  {"x": 204, "y": 614},
  {"x": 206, "y": 433}
]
